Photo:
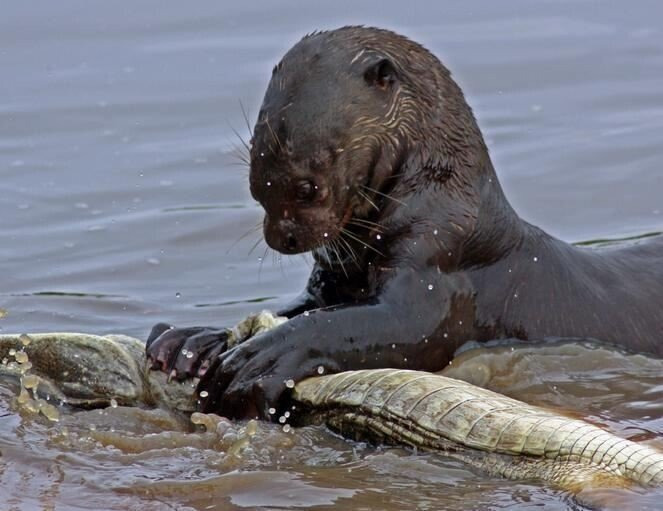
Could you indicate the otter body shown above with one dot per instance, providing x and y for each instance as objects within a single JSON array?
[{"x": 366, "y": 153}]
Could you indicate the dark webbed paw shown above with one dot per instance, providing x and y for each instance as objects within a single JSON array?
[
  {"x": 254, "y": 379},
  {"x": 185, "y": 352}
]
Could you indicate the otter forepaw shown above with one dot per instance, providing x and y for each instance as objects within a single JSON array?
[
  {"x": 255, "y": 378},
  {"x": 185, "y": 352}
]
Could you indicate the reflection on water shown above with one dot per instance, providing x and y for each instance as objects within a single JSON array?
[{"x": 122, "y": 203}]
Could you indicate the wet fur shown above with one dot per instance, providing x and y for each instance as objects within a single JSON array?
[{"x": 417, "y": 249}]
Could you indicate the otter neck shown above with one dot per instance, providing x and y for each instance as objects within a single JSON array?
[
  {"x": 497, "y": 227},
  {"x": 456, "y": 165}
]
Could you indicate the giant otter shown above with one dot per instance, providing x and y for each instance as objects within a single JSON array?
[{"x": 366, "y": 153}]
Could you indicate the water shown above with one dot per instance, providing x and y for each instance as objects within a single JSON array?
[{"x": 122, "y": 204}]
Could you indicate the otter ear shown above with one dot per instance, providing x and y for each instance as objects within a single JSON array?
[{"x": 381, "y": 74}]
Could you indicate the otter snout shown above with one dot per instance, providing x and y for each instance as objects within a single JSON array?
[{"x": 285, "y": 236}]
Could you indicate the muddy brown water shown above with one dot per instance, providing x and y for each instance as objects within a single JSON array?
[{"x": 121, "y": 204}]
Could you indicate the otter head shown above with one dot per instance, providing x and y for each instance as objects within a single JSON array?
[{"x": 329, "y": 132}]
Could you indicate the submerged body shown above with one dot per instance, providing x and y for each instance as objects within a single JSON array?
[{"x": 366, "y": 153}]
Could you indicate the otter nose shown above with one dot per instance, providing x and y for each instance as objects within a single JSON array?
[
  {"x": 288, "y": 238},
  {"x": 290, "y": 242}
]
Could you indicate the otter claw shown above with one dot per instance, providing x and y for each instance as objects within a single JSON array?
[{"x": 181, "y": 352}]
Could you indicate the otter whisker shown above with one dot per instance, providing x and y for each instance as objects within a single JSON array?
[
  {"x": 241, "y": 163},
  {"x": 276, "y": 138},
  {"x": 360, "y": 222},
  {"x": 244, "y": 143},
  {"x": 253, "y": 247},
  {"x": 239, "y": 154},
  {"x": 347, "y": 233},
  {"x": 286, "y": 106},
  {"x": 246, "y": 117},
  {"x": 350, "y": 251},
  {"x": 368, "y": 199},
  {"x": 386, "y": 195},
  {"x": 326, "y": 254},
  {"x": 250, "y": 231},
  {"x": 262, "y": 260},
  {"x": 279, "y": 259},
  {"x": 339, "y": 258},
  {"x": 305, "y": 259}
]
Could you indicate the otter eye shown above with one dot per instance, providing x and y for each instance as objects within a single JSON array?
[{"x": 305, "y": 191}]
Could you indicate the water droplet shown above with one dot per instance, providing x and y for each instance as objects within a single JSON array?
[
  {"x": 178, "y": 295},
  {"x": 286, "y": 428},
  {"x": 21, "y": 357},
  {"x": 184, "y": 351},
  {"x": 321, "y": 370},
  {"x": 435, "y": 232},
  {"x": 49, "y": 411},
  {"x": 252, "y": 427},
  {"x": 282, "y": 419},
  {"x": 113, "y": 403},
  {"x": 377, "y": 236},
  {"x": 460, "y": 322},
  {"x": 269, "y": 183},
  {"x": 286, "y": 414},
  {"x": 290, "y": 384},
  {"x": 30, "y": 381},
  {"x": 430, "y": 287},
  {"x": 203, "y": 393},
  {"x": 12, "y": 352},
  {"x": 306, "y": 313},
  {"x": 393, "y": 346},
  {"x": 325, "y": 235},
  {"x": 189, "y": 354},
  {"x": 262, "y": 155},
  {"x": 535, "y": 259},
  {"x": 25, "y": 339},
  {"x": 445, "y": 335},
  {"x": 272, "y": 411}
]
